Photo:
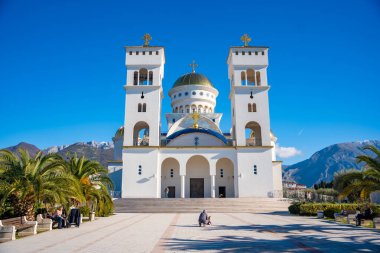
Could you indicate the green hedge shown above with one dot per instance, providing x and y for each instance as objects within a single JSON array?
[{"x": 311, "y": 209}]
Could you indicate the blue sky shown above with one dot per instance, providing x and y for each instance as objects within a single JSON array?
[{"x": 62, "y": 65}]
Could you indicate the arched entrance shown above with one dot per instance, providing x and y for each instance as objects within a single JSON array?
[
  {"x": 170, "y": 178},
  {"x": 198, "y": 180},
  {"x": 224, "y": 179}
]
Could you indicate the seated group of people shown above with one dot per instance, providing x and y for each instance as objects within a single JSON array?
[
  {"x": 63, "y": 220},
  {"x": 204, "y": 219},
  {"x": 367, "y": 215}
]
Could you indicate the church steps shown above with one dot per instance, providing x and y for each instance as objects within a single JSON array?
[{"x": 252, "y": 205}]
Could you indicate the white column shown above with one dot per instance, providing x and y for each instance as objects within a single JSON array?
[
  {"x": 182, "y": 186},
  {"x": 212, "y": 186}
]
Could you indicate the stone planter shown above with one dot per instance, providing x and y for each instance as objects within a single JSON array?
[{"x": 92, "y": 216}]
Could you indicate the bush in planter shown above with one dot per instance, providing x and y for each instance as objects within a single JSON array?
[
  {"x": 311, "y": 209},
  {"x": 85, "y": 211},
  {"x": 295, "y": 208}
]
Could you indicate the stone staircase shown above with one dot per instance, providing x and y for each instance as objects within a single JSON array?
[{"x": 195, "y": 205}]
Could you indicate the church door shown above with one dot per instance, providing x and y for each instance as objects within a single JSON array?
[
  {"x": 171, "y": 192},
  {"x": 196, "y": 187}
]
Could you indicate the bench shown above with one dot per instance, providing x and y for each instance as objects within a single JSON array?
[
  {"x": 44, "y": 224},
  {"x": 19, "y": 224},
  {"x": 351, "y": 219},
  {"x": 344, "y": 215}
]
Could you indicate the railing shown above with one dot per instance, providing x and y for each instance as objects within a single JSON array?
[
  {"x": 253, "y": 142},
  {"x": 115, "y": 194},
  {"x": 307, "y": 195}
]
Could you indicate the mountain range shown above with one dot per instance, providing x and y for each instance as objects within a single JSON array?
[
  {"x": 99, "y": 151},
  {"x": 321, "y": 166}
]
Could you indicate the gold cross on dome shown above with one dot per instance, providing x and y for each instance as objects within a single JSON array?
[
  {"x": 146, "y": 39},
  {"x": 246, "y": 39},
  {"x": 195, "y": 117},
  {"x": 193, "y": 65}
]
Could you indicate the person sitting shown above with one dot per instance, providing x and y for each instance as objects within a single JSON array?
[
  {"x": 57, "y": 216},
  {"x": 203, "y": 218},
  {"x": 368, "y": 213},
  {"x": 208, "y": 220}
]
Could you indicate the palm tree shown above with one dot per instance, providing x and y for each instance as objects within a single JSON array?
[
  {"x": 95, "y": 183},
  {"x": 30, "y": 182},
  {"x": 359, "y": 184}
]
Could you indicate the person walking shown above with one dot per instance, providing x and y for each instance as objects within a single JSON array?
[{"x": 167, "y": 192}]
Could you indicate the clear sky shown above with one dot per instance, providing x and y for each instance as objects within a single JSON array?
[{"x": 62, "y": 65}]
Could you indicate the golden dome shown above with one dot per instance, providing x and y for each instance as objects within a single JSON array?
[{"x": 193, "y": 79}]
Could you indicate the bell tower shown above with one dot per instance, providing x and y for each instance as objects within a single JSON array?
[
  {"x": 247, "y": 72},
  {"x": 143, "y": 102},
  {"x": 145, "y": 71}
]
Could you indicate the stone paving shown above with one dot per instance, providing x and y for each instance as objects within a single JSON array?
[{"x": 230, "y": 232}]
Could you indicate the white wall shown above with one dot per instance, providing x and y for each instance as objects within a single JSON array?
[
  {"x": 204, "y": 140},
  {"x": 277, "y": 179},
  {"x": 251, "y": 185},
  {"x": 145, "y": 185}
]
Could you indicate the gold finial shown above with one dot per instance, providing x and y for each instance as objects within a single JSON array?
[
  {"x": 193, "y": 65},
  {"x": 246, "y": 39},
  {"x": 146, "y": 39},
  {"x": 195, "y": 117}
]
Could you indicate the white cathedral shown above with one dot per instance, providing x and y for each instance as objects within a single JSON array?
[{"x": 195, "y": 159}]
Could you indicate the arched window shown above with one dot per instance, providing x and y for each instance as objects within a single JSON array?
[
  {"x": 193, "y": 108},
  {"x": 249, "y": 108},
  {"x": 205, "y": 109},
  {"x": 143, "y": 79},
  {"x": 187, "y": 108},
  {"x": 135, "y": 77},
  {"x": 253, "y": 134},
  {"x": 200, "y": 109},
  {"x": 243, "y": 79},
  {"x": 139, "y": 108},
  {"x": 258, "y": 78},
  {"x": 176, "y": 110},
  {"x": 150, "y": 78},
  {"x": 141, "y": 134},
  {"x": 181, "y": 109},
  {"x": 210, "y": 109},
  {"x": 250, "y": 77},
  {"x": 254, "y": 107},
  {"x": 144, "y": 107}
]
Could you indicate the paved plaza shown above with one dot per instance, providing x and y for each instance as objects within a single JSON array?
[{"x": 230, "y": 232}]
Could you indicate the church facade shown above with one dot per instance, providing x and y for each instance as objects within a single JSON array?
[{"x": 194, "y": 158}]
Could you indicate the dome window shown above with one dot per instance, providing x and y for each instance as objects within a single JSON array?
[
  {"x": 180, "y": 95},
  {"x": 174, "y": 96},
  {"x": 186, "y": 93},
  {"x": 194, "y": 93},
  {"x": 201, "y": 93}
]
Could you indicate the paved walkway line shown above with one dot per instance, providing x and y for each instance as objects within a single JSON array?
[
  {"x": 274, "y": 233},
  {"x": 159, "y": 247},
  {"x": 76, "y": 236},
  {"x": 108, "y": 235}
]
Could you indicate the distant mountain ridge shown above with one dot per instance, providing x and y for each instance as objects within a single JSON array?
[
  {"x": 99, "y": 151},
  {"x": 323, "y": 164}
]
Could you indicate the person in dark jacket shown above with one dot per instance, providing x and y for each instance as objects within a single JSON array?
[{"x": 203, "y": 218}]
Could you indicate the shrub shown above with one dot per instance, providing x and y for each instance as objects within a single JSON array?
[
  {"x": 311, "y": 209},
  {"x": 85, "y": 211},
  {"x": 294, "y": 208}
]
